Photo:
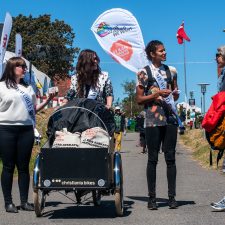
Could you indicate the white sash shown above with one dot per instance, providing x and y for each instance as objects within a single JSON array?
[
  {"x": 29, "y": 105},
  {"x": 169, "y": 99},
  {"x": 92, "y": 94}
]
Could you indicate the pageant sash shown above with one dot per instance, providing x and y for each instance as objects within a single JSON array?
[
  {"x": 29, "y": 105},
  {"x": 169, "y": 99}
]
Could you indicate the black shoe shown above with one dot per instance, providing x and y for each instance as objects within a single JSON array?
[
  {"x": 152, "y": 205},
  {"x": 172, "y": 203},
  {"x": 27, "y": 207},
  {"x": 11, "y": 208}
]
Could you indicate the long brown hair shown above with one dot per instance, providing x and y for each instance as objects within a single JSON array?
[
  {"x": 84, "y": 70},
  {"x": 9, "y": 73}
]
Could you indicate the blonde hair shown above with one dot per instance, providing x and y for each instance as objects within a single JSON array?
[{"x": 221, "y": 50}]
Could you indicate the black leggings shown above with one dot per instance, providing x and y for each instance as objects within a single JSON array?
[
  {"x": 16, "y": 144},
  {"x": 165, "y": 136}
]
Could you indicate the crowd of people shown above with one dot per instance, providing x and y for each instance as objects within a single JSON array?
[{"x": 157, "y": 124}]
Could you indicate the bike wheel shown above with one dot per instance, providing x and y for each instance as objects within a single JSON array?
[
  {"x": 96, "y": 195},
  {"x": 39, "y": 202},
  {"x": 119, "y": 202}
]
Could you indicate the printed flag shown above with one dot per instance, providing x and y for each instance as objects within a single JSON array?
[
  {"x": 18, "y": 49},
  {"x": 119, "y": 34},
  {"x": 4, "y": 39}
]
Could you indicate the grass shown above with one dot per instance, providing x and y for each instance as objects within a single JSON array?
[
  {"x": 42, "y": 120},
  {"x": 196, "y": 142}
]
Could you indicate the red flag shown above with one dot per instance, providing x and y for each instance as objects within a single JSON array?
[{"x": 181, "y": 34}]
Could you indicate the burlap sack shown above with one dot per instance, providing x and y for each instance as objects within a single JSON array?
[
  {"x": 94, "y": 137},
  {"x": 65, "y": 139}
]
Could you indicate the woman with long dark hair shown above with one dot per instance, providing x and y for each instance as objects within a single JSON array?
[
  {"x": 89, "y": 81},
  {"x": 17, "y": 122}
]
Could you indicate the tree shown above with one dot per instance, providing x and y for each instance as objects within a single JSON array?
[
  {"x": 129, "y": 103},
  {"x": 48, "y": 45}
]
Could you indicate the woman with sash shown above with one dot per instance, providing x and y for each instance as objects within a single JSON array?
[
  {"x": 89, "y": 81},
  {"x": 17, "y": 122},
  {"x": 157, "y": 90}
]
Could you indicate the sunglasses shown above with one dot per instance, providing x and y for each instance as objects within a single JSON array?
[
  {"x": 24, "y": 66},
  {"x": 218, "y": 55}
]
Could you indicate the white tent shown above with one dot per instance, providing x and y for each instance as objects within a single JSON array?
[
  {"x": 39, "y": 80},
  {"x": 187, "y": 106}
]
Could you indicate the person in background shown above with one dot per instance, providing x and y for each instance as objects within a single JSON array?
[
  {"x": 129, "y": 121},
  {"x": 120, "y": 124},
  {"x": 220, "y": 59},
  {"x": 125, "y": 125},
  {"x": 161, "y": 123},
  {"x": 17, "y": 122},
  {"x": 89, "y": 81},
  {"x": 141, "y": 129}
]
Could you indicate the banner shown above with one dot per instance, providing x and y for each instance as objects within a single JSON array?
[
  {"x": 4, "y": 39},
  {"x": 18, "y": 49},
  {"x": 119, "y": 34}
]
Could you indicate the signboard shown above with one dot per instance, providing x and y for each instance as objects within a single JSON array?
[{"x": 192, "y": 102}]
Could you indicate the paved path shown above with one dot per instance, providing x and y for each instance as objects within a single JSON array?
[{"x": 196, "y": 188}]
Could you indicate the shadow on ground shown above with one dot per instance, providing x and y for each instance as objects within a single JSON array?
[
  {"x": 84, "y": 211},
  {"x": 162, "y": 202}
]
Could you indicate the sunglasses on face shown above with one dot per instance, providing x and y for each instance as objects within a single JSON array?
[
  {"x": 218, "y": 55},
  {"x": 24, "y": 66}
]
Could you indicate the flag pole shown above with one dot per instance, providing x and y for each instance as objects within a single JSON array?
[{"x": 185, "y": 80}]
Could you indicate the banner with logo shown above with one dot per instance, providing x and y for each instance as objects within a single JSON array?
[
  {"x": 119, "y": 34},
  {"x": 18, "y": 49},
  {"x": 4, "y": 39}
]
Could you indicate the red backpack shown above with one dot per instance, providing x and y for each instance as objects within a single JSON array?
[
  {"x": 214, "y": 125},
  {"x": 215, "y": 112}
]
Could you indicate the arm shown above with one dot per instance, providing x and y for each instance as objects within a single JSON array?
[
  {"x": 108, "y": 93},
  {"x": 43, "y": 104},
  {"x": 142, "y": 81},
  {"x": 142, "y": 99},
  {"x": 109, "y": 101},
  {"x": 174, "y": 86},
  {"x": 72, "y": 91}
]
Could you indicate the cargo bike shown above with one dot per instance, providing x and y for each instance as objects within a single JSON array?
[{"x": 97, "y": 171}]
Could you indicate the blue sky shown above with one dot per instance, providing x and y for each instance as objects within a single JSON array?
[{"x": 204, "y": 23}]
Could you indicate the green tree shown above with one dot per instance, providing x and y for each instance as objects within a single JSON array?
[
  {"x": 47, "y": 44},
  {"x": 129, "y": 104}
]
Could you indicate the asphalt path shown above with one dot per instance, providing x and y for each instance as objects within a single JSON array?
[{"x": 196, "y": 188}]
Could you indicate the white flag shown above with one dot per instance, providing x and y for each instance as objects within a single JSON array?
[
  {"x": 4, "y": 39},
  {"x": 18, "y": 49},
  {"x": 119, "y": 34}
]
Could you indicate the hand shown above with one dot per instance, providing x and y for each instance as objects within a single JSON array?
[
  {"x": 108, "y": 106},
  {"x": 176, "y": 92},
  {"x": 51, "y": 96},
  {"x": 164, "y": 92},
  {"x": 64, "y": 101}
]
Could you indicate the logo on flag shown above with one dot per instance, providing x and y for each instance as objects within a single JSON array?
[
  {"x": 122, "y": 49},
  {"x": 103, "y": 29},
  {"x": 5, "y": 38}
]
